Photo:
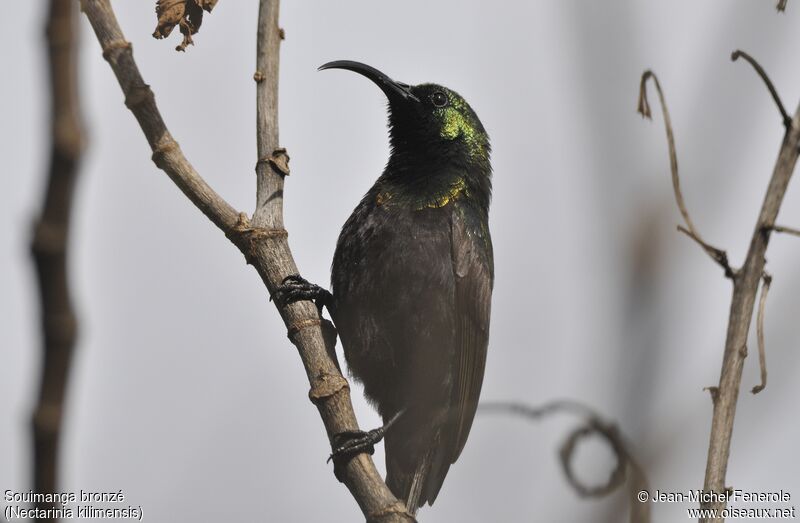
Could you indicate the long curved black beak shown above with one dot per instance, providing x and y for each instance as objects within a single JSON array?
[{"x": 391, "y": 88}]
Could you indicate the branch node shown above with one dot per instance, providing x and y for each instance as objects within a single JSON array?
[
  {"x": 242, "y": 222},
  {"x": 326, "y": 385},
  {"x": 258, "y": 76},
  {"x": 281, "y": 33},
  {"x": 787, "y": 120},
  {"x": 718, "y": 255},
  {"x": 300, "y": 325},
  {"x": 48, "y": 238},
  {"x": 115, "y": 45},
  {"x": 279, "y": 161},
  {"x": 47, "y": 418},
  {"x": 162, "y": 149},
  {"x": 246, "y": 237},
  {"x": 713, "y": 392},
  {"x": 395, "y": 509},
  {"x": 61, "y": 329},
  {"x": 139, "y": 95}
]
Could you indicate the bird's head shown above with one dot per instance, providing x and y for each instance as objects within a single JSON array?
[{"x": 427, "y": 121}]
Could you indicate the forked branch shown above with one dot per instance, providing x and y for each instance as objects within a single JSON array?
[
  {"x": 263, "y": 240},
  {"x": 745, "y": 288}
]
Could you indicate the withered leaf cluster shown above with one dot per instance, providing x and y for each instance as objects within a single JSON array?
[{"x": 188, "y": 14}]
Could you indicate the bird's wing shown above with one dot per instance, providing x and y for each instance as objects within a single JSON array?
[{"x": 474, "y": 276}]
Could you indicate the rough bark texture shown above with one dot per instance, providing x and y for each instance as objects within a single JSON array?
[
  {"x": 263, "y": 240},
  {"x": 50, "y": 242}
]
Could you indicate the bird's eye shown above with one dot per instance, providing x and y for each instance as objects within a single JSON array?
[{"x": 439, "y": 99}]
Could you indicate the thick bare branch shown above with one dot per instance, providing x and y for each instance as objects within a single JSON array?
[
  {"x": 787, "y": 120},
  {"x": 50, "y": 242},
  {"x": 593, "y": 425},
  {"x": 718, "y": 255},
  {"x": 762, "y": 349},
  {"x": 264, "y": 240}
]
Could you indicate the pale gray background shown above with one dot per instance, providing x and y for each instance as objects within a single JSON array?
[{"x": 186, "y": 393}]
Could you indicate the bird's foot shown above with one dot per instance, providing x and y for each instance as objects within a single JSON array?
[
  {"x": 347, "y": 444},
  {"x": 296, "y": 288},
  {"x": 355, "y": 442}
]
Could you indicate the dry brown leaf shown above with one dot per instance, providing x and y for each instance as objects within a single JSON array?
[{"x": 188, "y": 14}]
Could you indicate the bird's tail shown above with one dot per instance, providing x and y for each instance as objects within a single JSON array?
[{"x": 414, "y": 472}]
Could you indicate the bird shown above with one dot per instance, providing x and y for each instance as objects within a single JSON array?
[{"x": 411, "y": 284}]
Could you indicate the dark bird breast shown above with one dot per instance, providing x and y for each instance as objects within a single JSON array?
[{"x": 412, "y": 293}]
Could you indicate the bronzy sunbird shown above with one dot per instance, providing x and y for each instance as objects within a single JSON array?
[{"x": 412, "y": 280}]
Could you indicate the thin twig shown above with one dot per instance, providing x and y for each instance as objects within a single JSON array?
[
  {"x": 264, "y": 241},
  {"x": 272, "y": 165},
  {"x": 50, "y": 242},
  {"x": 718, "y": 255},
  {"x": 782, "y": 5},
  {"x": 787, "y": 120},
  {"x": 762, "y": 350},
  {"x": 786, "y": 230},
  {"x": 593, "y": 425}
]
